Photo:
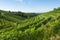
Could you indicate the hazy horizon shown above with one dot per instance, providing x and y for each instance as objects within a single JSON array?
[{"x": 29, "y": 5}]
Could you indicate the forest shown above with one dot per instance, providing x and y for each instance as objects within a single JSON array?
[{"x": 30, "y": 26}]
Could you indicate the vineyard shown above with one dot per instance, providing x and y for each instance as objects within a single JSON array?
[{"x": 20, "y": 26}]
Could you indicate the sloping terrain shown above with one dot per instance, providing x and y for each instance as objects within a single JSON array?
[
  {"x": 16, "y": 16},
  {"x": 41, "y": 27}
]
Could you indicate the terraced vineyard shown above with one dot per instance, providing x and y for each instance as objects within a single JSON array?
[{"x": 44, "y": 26}]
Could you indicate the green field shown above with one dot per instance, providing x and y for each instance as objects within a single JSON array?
[{"x": 30, "y": 26}]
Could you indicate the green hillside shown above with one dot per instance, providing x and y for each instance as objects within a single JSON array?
[
  {"x": 16, "y": 16},
  {"x": 23, "y": 26}
]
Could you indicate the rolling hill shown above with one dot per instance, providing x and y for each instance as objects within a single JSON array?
[
  {"x": 16, "y": 26},
  {"x": 15, "y": 16}
]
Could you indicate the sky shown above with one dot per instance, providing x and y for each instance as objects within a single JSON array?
[{"x": 29, "y": 5}]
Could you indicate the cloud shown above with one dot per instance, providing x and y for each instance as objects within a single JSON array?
[{"x": 19, "y": 0}]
